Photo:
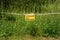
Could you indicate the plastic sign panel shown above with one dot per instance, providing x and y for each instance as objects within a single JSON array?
[{"x": 29, "y": 17}]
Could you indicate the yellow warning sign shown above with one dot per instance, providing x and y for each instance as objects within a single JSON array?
[{"x": 29, "y": 17}]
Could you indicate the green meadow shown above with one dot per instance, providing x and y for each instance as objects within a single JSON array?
[
  {"x": 42, "y": 26},
  {"x": 15, "y": 27}
]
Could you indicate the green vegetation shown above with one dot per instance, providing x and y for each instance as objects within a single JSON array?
[
  {"x": 36, "y": 6},
  {"x": 47, "y": 25},
  {"x": 43, "y": 26}
]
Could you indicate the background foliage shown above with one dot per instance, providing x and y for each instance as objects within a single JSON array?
[{"x": 46, "y": 25}]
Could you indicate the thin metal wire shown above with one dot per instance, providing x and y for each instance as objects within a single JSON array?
[{"x": 32, "y": 13}]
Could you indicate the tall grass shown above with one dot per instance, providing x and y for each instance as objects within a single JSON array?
[
  {"x": 46, "y": 25},
  {"x": 37, "y": 6}
]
